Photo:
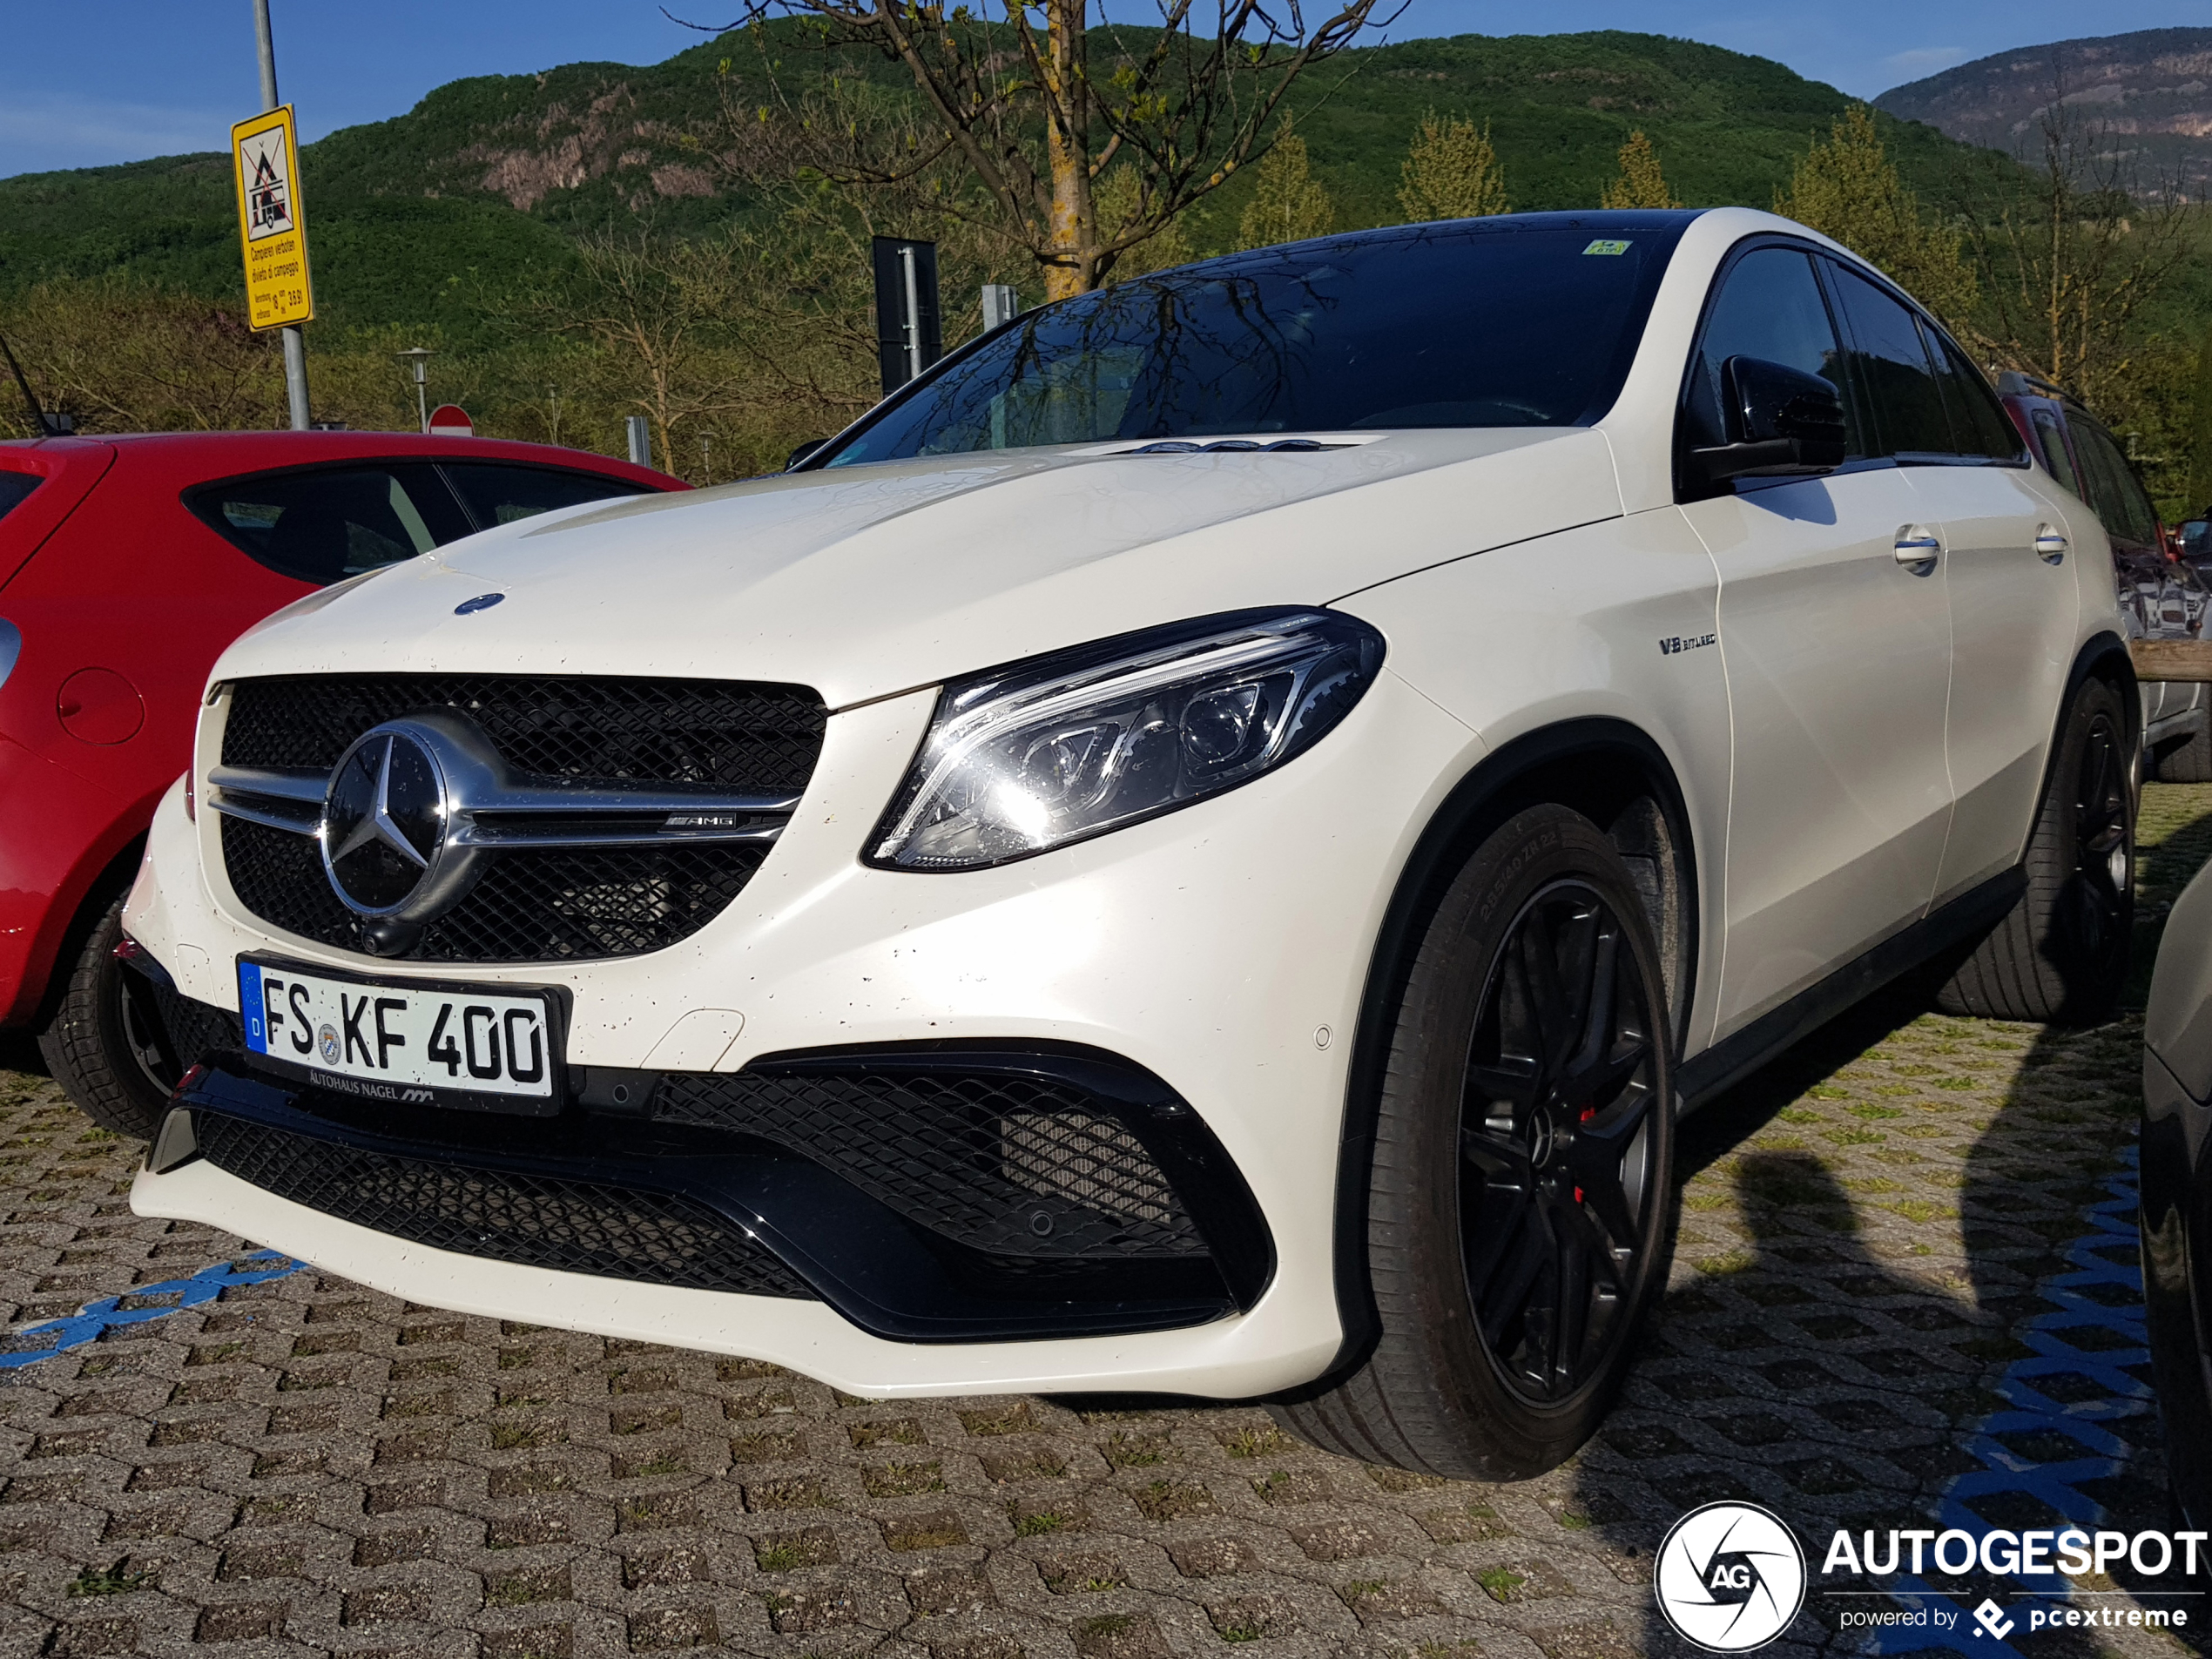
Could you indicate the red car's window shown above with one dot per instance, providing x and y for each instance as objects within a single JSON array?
[
  {"x": 323, "y": 526},
  {"x": 2052, "y": 443},
  {"x": 497, "y": 494},
  {"x": 2120, "y": 501},
  {"x": 14, "y": 487}
]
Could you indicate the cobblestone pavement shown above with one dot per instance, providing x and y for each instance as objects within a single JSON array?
[{"x": 1894, "y": 1291}]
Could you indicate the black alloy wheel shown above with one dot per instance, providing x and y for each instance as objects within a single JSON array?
[
  {"x": 2099, "y": 905},
  {"x": 2060, "y": 953},
  {"x": 1556, "y": 1150},
  {"x": 1519, "y": 1194}
]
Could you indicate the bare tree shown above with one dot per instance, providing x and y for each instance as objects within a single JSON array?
[
  {"x": 2070, "y": 248},
  {"x": 663, "y": 316},
  {"x": 121, "y": 355},
  {"x": 1036, "y": 107}
]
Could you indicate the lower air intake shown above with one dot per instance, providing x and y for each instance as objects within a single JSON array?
[
  {"x": 534, "y": 1221},
  {"x": 1015, "y": 1166}
]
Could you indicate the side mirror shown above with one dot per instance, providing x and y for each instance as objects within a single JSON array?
[
  {"x": 1782, "y": 424},
  {"x": 2196, "y": 538},
  {"x": 803, "y": 450}
]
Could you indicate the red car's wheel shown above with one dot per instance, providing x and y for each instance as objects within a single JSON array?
[{"x": 106, "y": 1046}]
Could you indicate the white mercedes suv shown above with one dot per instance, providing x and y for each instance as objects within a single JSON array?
[{"x": 1202, "y": 847}]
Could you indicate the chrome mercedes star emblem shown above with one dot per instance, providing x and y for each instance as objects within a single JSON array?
[{"x": 383, "y": 821}]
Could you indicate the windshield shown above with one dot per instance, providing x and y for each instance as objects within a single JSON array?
[{"x": 1518, "y": 321}]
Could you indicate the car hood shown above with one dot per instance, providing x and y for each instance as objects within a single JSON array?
[{"x": 865, "y": 581}]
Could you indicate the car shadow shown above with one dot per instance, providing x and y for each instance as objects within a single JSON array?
[
  {"x": 1821, "y": 1371},
  {"x": 19, "y": 1052}
]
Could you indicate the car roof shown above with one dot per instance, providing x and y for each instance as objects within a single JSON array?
[{"x": 215, "y": 455}]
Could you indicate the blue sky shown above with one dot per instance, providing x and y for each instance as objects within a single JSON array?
[{"x": 81, "y": 84}]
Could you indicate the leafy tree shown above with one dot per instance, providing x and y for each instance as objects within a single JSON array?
[
  {"x": 1119, "y": 200},
  {"x": 1640, "y": 182},
  {"x": 1039, "y": 104},
  {"x": 1847, "y": 189},
  {"x": 1289, "y": 204},
  {"x": 1451, "y": 172}
]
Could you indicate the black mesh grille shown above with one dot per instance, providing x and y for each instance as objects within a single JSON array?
[
  {"x": 1014, "y": 1165},
  {"x": 195, "y": 1027},
  {"x": 537, "y": 1221},
  {"x": 566, "y": 906},
  {"x": 732, "y": 735},
  {"x": 527, "y": 907}
]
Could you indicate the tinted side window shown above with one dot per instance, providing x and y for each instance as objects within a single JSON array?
[
  {"x": 1891, "y": 364},
  {"x": 322, "y": 527},
  {"x": 2120, "y": 501},
  {"x": 14, "y": 487},
  {"x": 1978, "y": 422},
  {"x": 1769, "y": 306},
  {"x": 497, "y": 494},
  {"x": 2050, "y": 447}
]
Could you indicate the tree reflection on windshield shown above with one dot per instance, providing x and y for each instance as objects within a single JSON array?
[{"x": 1527, "y": 321}]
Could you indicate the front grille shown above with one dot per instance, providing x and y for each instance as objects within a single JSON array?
[
  {"x": 571, "y": 905},
  {"x": 730, "y": 734},
  {"x": 530, "y": 906},
  {"x": 1014, "y": 1165},
  {"x": 533, "y": 1220}
]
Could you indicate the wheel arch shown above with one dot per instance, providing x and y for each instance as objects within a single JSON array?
[
  {"x": 1613, "y": 773},
  {"x": 2103, "y": 655}
]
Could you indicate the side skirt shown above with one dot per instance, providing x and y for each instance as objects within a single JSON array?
[{"x": 1735, "y": 1057}]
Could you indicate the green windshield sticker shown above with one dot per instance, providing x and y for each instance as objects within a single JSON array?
[{"x": 1607, "y": 247}]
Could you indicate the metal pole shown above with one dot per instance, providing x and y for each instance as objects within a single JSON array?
[
  {"x": 913, "y": 309},
  {"x": 295, "y": 344}
]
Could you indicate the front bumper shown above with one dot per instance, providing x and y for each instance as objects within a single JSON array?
[
  {"x": 928, "y": 1196},
  {"x": 1223, "y": 949}
]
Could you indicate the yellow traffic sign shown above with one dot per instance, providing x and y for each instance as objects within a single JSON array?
[{"x": 271, "y": 228}]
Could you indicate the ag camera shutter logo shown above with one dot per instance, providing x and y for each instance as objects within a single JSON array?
[{"x": 1730, "y": 1577}]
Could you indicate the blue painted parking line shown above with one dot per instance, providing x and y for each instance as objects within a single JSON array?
[
  {"x": 2056, "y": 1482},
  {"x": 108, "y": 1313}
]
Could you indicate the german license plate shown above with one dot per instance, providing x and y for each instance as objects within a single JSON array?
[{"x": 408, "y": 1041}]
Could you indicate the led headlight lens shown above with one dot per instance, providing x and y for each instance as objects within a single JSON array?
[{"x": 1031, "y": 757}]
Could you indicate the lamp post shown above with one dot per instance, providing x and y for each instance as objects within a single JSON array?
[{"x": 419, "y": 356}]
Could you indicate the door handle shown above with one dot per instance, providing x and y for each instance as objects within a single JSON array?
[
  {"x": 1917, "y": 550},
  {"x": 2050, "y": 546}
]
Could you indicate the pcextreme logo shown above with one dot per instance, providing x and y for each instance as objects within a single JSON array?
[{"x": 1730, "y": 1577}]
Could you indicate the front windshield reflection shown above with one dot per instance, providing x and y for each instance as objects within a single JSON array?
[{"x": 1483, "y": 323}]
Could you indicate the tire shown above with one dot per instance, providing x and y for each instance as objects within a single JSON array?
[
  {"x": 2060, "y": 953},
  {"x": 2189, "y": 761},
  {"x": 106, "y": 1046},
  {"x": 1512, "y": 1255}
]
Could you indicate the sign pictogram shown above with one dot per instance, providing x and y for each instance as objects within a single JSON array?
[{"x": 265, "y": 154}]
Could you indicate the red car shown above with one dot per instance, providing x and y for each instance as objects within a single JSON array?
[{"x": 126, "y": 565}]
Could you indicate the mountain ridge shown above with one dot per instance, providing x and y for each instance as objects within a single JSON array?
[
  {"x": 2144, "y": 96},
  {"x": 414, "y": 218}
]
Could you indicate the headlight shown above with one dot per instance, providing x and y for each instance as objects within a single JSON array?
[{"x": 1032, "y": 756}]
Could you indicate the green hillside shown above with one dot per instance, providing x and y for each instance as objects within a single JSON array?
[{"x": 420, "y": 218}]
